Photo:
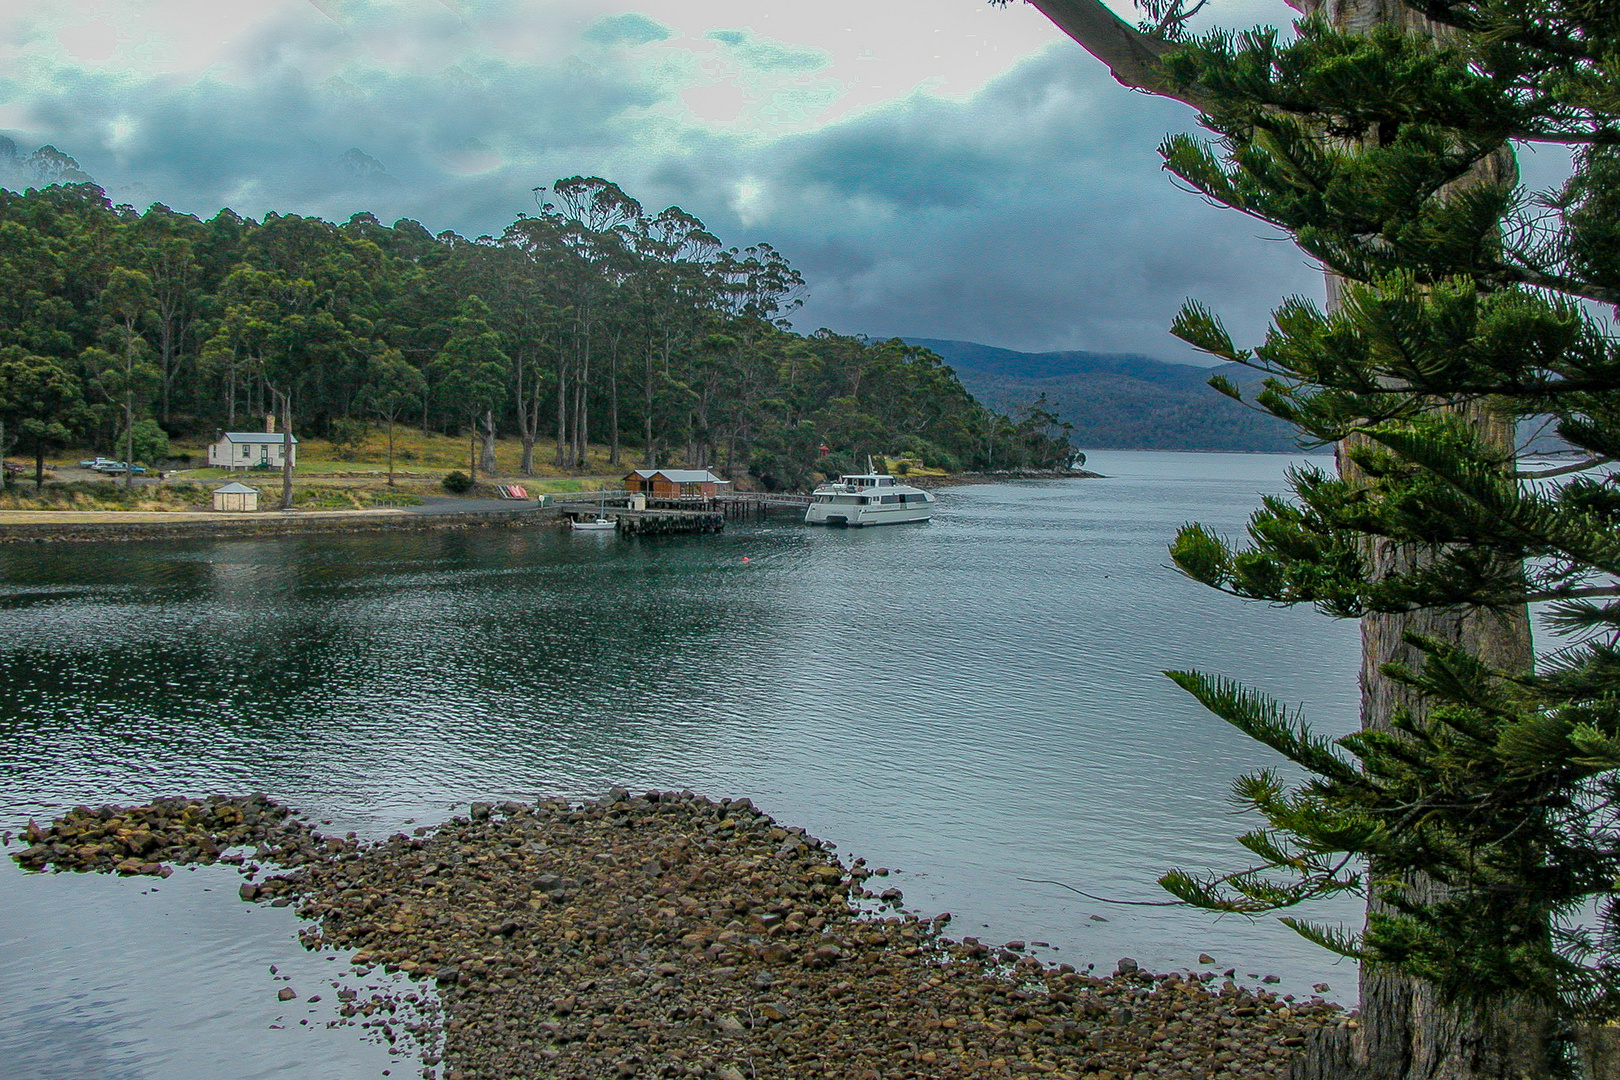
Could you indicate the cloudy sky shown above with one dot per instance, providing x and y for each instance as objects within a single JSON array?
[{"x": 936, "y": 168}]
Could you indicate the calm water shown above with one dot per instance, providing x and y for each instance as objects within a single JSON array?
[{"x": 976, "y": 701}]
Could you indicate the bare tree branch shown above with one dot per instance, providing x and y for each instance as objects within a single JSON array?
[
  {"x": 1132, "y": 57},
  {"x": 1104, "y": 899},
  {"x": 1564, "y": 470}
]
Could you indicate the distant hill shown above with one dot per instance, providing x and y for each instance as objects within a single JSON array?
[{"x": 1119, "y": 401}]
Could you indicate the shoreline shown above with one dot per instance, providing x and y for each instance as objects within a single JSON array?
[
  {"x": 670, "y": 935},
  {"x": 77, "y": 526},
  {"x": 88, "y": 526}
]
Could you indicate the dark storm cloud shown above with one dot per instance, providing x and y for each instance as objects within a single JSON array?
[{"x": 1034, "y": 215}]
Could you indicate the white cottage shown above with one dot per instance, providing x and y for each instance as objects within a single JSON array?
[
  {"x": 236, "y": 497},
  {"x": 246, "y": 449}
]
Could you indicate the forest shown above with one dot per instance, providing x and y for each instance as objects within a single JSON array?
[{"x": 590, "y": 321}]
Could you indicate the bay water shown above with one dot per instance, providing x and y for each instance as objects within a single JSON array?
[{"x": 976, "y": 703}]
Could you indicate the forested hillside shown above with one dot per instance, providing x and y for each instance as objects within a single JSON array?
[
  {"x": 590, "y": 321},
  {"x": 1119, "y": 402}
]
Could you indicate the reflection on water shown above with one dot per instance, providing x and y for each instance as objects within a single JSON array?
[{"x": 976, "y": 701}]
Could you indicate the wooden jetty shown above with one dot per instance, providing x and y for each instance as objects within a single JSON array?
[
  {"x": 675, "y": 514},
  {"x": 757, "y": 504},
  {"x": 657, "y": 522}
]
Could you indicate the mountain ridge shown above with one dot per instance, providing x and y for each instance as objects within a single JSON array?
[{"x": 1119, "y": 401}]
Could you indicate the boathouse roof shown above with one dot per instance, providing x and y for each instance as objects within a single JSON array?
[{"x": 681, "y": 476}]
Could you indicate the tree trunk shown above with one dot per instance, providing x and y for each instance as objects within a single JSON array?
[
  {"x": 129, "y": 437},
  {"x": 650, "y": 458},
  {"x": 487, "y": 458},
  {"x": 582, "y": 386},
  {"x": 528, "y": 413},
  {"x": 613, "y": 402},
  {"x": 1406, "y": 1031},
  {"x": 562, "y": 415},
  {"x": 286, "y": 451},
  {"x": 390, "y": 451}
]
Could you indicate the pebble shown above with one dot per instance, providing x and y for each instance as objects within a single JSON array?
[{"x": 703, "y": 945}]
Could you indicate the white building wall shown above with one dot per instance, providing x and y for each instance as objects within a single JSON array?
[{"x": 228, "y": 455}]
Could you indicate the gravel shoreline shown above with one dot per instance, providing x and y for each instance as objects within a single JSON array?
[{"x": 667, "y": 935}]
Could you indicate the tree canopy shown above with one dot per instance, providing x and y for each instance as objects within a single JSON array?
[{"x": 596, "y": 321}]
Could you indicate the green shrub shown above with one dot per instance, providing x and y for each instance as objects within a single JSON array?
[
  {"x": 151, "y": 442},
  {"x": 458, "y": 483}
]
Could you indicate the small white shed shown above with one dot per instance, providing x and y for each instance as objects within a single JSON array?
[{"x": 237, "y": 497}]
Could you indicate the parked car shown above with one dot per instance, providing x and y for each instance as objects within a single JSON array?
[
  {"x": 117, "y": 468},
  {"x": 97, "y": 463}
]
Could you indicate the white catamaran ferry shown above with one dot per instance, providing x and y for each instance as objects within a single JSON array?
[{"x": 868, "y": 499}]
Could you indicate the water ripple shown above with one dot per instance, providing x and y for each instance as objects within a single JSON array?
[{"x": 976, "y": 701}]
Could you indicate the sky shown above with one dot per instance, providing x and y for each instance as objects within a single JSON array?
[{"x": 935, "y": 168}]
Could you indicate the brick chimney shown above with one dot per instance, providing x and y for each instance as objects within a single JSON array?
[{"x": 269, "y": 423}]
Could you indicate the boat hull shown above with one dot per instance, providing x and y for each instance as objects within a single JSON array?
[{"x": 856, "y": 517}]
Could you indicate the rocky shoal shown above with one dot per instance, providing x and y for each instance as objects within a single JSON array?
[{"x": 667, "y": 935}]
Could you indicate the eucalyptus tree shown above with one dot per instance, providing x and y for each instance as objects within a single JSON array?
[
  {"x": 518, "y": 275},
  {"x": 394, "y": 387},
  {"x": 41, "y": 403},
  {"x": 165, "y": 248},
  {"x": 473, "y": 373},
  {"x": 596, "y": 220},
  {"x": 678, "y": 286},
  {"x": 126, "y": 375},
  {"x": 524, "y": 275}
]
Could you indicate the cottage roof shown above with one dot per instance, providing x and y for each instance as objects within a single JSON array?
[
  {"x": 256, "y": 437},
  {"x": 236, "y": 489},
  {"x": 682, "y": 476}
]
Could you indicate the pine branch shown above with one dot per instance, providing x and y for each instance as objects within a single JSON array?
[{"x": 1565, "y": 470}]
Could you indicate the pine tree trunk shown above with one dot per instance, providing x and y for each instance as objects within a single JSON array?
[{"x": 1406, "y": 1032}]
